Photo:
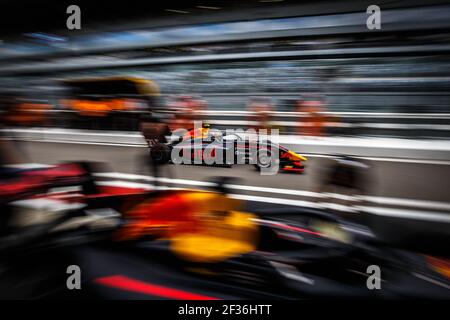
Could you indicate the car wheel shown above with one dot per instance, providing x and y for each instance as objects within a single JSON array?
[{"x": 264, "y": 161}]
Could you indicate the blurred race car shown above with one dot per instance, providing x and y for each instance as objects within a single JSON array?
[
  {"x": 212, "y": 147},
  {"x": 297, "y": 252},
  {"x": 292, "y": 253}
]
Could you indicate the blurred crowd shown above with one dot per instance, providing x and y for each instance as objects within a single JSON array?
[
  {"x": 310, "y": 114},
  {"x": 101, "y": 110}
]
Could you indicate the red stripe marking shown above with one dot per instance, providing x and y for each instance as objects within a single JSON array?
[
  {"x": 288, "y": 227},
  {"x": 128, "y": 284}
]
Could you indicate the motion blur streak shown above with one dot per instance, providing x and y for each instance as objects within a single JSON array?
[{"x": 128, "y": 284}]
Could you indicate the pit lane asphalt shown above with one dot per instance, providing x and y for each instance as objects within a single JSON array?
[{"x": 415, "y": 181}]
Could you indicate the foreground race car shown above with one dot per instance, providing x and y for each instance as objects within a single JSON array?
[
  {"x": 199, "y": 237},
  {"x": 223, "y": 149}
]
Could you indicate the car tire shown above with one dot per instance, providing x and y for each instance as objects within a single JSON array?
[{"x": 160, "y": 153}]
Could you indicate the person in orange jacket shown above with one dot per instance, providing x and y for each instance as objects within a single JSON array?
[{"x": 313, "y": 120}]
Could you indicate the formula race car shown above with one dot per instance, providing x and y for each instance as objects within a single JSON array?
[
  {"x": 289, "y": 252},
  {"x": 212, "y": 147}
]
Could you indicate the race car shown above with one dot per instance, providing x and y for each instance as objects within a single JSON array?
[
  {"x": 212, "y": 147},
  {"x": 288, "y": 253}
]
